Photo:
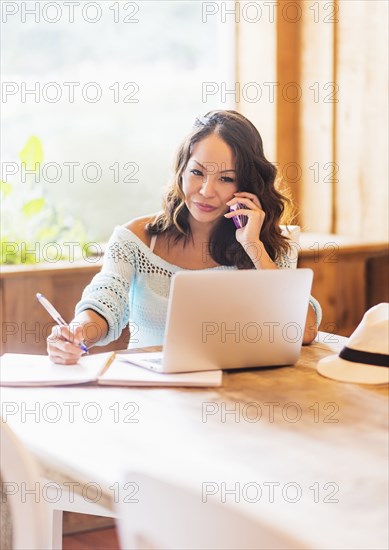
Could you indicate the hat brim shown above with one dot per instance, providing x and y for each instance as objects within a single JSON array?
[{"x": 346, "y": 371}]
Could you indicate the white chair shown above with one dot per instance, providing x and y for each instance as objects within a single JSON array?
[
  {"x": 170, "y": 517},
  {"x": 30, "y": 517},
  {"x": 65, "y": 498},
  {"x": 292, "y": 232}
]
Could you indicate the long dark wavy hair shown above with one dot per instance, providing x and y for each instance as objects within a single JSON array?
[{"x": 254, "y": 174}]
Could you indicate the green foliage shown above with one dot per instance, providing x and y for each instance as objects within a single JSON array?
[
  {"x": 33, "y": 229},
  {"x": 5, "y": 188},
  {"x": 31, "y": 155},
  {"x": 32, "y": 207}
]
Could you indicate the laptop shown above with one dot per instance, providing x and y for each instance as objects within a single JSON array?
[{"x": 232, "y": 320}]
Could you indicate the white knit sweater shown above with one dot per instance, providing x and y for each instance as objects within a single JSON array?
[{"x": 133, "y": 287}]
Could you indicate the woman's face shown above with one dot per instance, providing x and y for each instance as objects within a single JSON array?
[{"x": 209, "y": 180}]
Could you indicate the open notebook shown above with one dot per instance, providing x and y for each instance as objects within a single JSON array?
[{"x": 103, "y": 368}]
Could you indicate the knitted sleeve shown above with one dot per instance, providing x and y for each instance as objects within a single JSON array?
[
  {"x": 108, "y": 292},
  {"x": 285, "y": 261}
]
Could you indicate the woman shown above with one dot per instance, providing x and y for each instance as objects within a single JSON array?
[{"x": 221, "y": 163}]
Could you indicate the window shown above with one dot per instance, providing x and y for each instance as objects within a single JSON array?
[{"x": 110, "y": 89}]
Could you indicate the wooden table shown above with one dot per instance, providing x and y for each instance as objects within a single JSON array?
[{"x": 306, "y": 436}]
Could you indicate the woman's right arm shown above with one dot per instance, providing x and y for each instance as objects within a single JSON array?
[
  {"x": 103, "y": 310},
  {"x": 63, "y": 344}
]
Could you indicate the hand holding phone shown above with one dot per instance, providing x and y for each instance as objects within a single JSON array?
[{"x": 239, "y": 220}]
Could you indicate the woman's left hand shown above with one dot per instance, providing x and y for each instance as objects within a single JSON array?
[{"x": 256, "y": 216}]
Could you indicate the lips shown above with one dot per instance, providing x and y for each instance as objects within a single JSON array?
[{"x": 204, "y": 207}]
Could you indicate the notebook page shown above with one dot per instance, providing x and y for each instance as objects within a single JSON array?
[
  {"x": 18, "y": 369},
  {"x": 124, "y": 373}
]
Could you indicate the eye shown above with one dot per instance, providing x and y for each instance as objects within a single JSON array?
[
  {"x": 196, "y": 172},
  {"x": 226, "y": 179}
]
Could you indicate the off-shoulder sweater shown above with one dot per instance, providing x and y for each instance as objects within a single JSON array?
[{"x": 133, "y": 288}]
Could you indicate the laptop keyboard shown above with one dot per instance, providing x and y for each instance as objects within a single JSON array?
[{"x": 155, "y": 360}]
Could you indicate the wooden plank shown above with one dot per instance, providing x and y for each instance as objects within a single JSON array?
[
  {"x": 256, "y": 64},
  {"x": 324, "y": 289},
  {"x": 373, "y": 154},
  {"x": 13, "y": 271},
  {"x": 346, "y": 283},
  {"x": 288, "y": 80},
  {"x": 362, "y": 143},
  {"x": 351, "y": 70},
  {"x": 377, "y": 284},
  {"x": 350, "y": 293},
  {"x": 313, "y": 243},
  {"x": 79, "y": 523},
  {"x": 26, "y": 325},
  {"x": 315, "y": 127},
  {"x": 99, "y": 539}
]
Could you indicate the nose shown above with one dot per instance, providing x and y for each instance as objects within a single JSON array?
[{"x": 207, "y": 188}]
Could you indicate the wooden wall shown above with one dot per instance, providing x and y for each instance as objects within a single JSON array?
[
  {"x": 335, "y": 54},
  {"x": 25, "y": 324},
  {"x": 348, "y": 279}
]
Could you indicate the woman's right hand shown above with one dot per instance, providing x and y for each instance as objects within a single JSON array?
[{"x": 63, "y": 344}]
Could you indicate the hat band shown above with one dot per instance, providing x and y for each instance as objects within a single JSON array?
[{"x": 356, "y": 356}]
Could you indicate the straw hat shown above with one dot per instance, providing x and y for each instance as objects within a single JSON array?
[{"x": 365, "y": 358}]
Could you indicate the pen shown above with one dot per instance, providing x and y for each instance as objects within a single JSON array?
[{"x": 55, "y": 315}]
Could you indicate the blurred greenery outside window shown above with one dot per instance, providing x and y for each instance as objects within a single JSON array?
[
  {"x": 80, "y": 167},
  {"x": 33, "y": 229}
]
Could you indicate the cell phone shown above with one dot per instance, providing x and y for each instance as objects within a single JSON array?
[{"x": 239, "y": 220}]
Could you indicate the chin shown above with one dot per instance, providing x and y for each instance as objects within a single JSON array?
[{"x": 205, "y": 216}]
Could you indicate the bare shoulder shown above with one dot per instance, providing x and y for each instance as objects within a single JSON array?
[{"x": 138, "y": 227}]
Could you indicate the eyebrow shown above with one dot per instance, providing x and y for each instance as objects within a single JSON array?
[{"x": 220, "y": 172}]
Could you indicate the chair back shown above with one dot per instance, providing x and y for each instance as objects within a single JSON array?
[
  {"x": 21, "y": 494},
  {"x": 167, "y": 516}
]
